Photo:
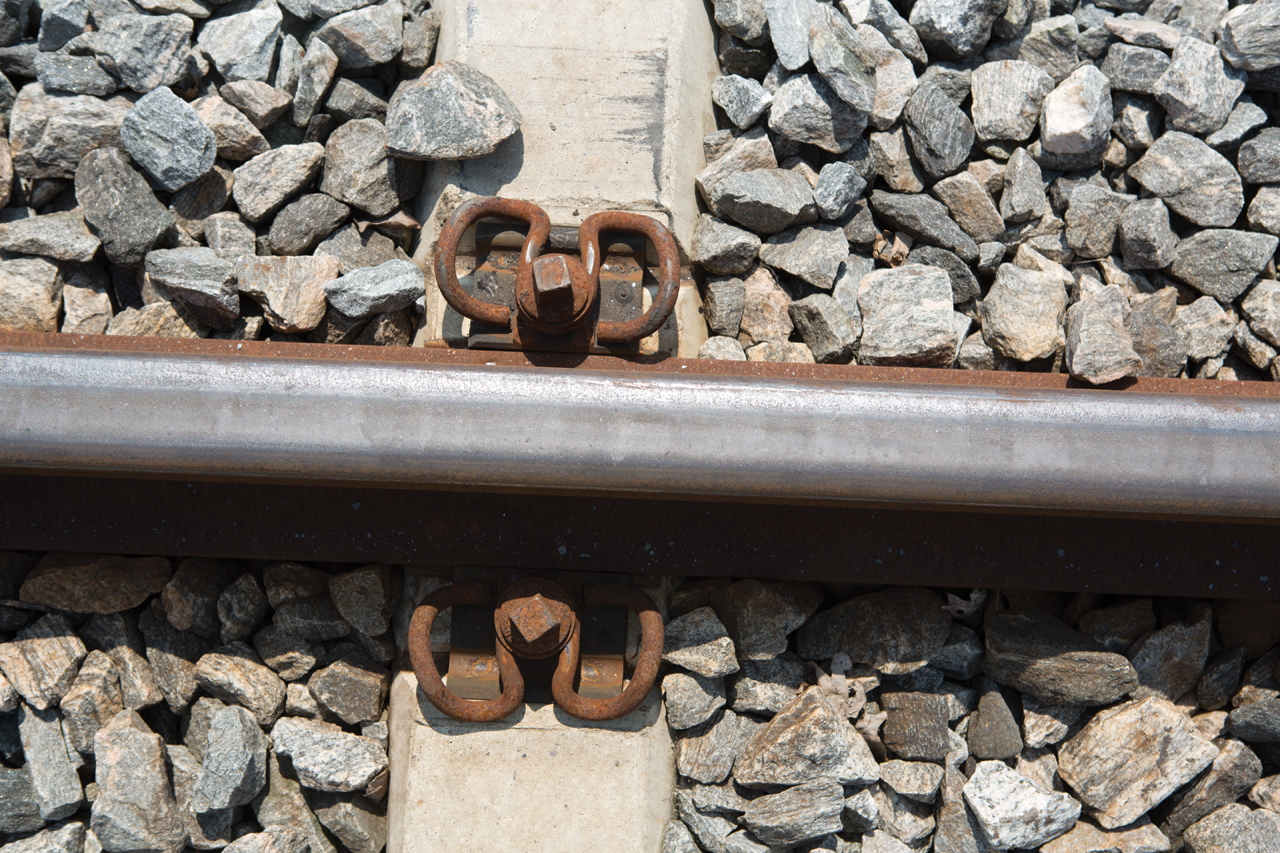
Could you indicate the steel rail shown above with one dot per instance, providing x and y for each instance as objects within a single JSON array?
[{"x": 646, "y": 433}]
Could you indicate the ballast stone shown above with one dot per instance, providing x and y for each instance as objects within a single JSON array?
[
  {"x": 1223, "y": 263},
  {"x": 1099, "y": 349},
  {"x": 742, "y": 99},
  {"x": 1198, "y": 90},
  {"x": 1076, "y": 116},
  {"x": 325, "y": 757},
  {"x": 452, "y": 112},
  {"x": 806, "y": 109},
  {"x": 234, "y": 762},
  {"x": 723, "y": 248},
  {"x": 1013, "y": 811},
  {"x": 1007, "y": 99},
  {"x": 1192, "y": 179},
  {"x": 199, "y": 277},
  {"x": 955, "y": 29},
  {"x": 765, "y": 201}
]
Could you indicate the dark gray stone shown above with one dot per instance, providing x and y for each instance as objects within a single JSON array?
[
  {"x": 825, "y": 328},
  {"x": 242, "y": 44},
  {"x": 1223, "y": 263},
  {"x": 119, "y": 206},
  {"x": 1232, "y": 774},
  {"x": 62, "y": 236},
  {"x": 352, "y": 100},
  {"x": 993, "y": 733},
  {"x": 281, "y": 805},
  {"x": 166, "y": 137},
  {"x": 1092, "y": 218},
  {"x": 1023, "y": 198},
  {"x": 241, "y": 607},
  {"x": 766, "y": 686},
  {"x": 941, "y": 135},
  {"x": 839, "y": 185},
  {"x": 843, "y": 59},
  {"x": 229, "y": 236},
  {"x": 1147, "y": 242},
  {"x": 288, "y": 581},
  {"x": 200, "y": 278},
  {"x": 261, "y": 104},
  {"x": 357, "y": 169},
  {"x": 57, "y": 787},
  {"x": 807, "y": 110},
  {"x": 1234, "y": 828},
  {"x": 964, "y": 285},
  {"x": 798, "y": 814},
  {"x": 896, "y": 631},
  {"x": 955, "y": 29},
  {"x": 18, "y": 809},
  {"x": 290, "y": 656},
  {"x": 1160, "y": 344},
  {"x": 765, "y": 200},
  {"x": 925, "y": 219},
  {"x": 723, "y": 302},
  {"x": 314, "y": 618},
  {"x": 316, "y": 72},
  {"x": 78, "y": 75},
  {"x": 91, "y": 702},
  {"x": 1251, "y": 39},
  {"x": 1262, "y": 308},
  {"x": 1257, "y": 722},
  {"x": 146, "y": 51},
  {"x": 1038, "y": 654},
  {"x": 691, "y": 699},
  {"x": 698, "y": 642},
  {"x": 190, "y": 598},
  {"x": 210, "y": 830},
  {"x": 421, "y": 32},
  {"x": 1192, "y": 179},
  {"x": 742, "y": 100},
  {"x": 811, "y": 253},
  {"x": 41, "y": 661},
  {"x": 723, "y": 248},
  {"x": 364, "y": 38},
  {"x": 353, "y": 688},
  {"x": 744, "y": 19},
  {"x": 354, "y": 820},
  {"x": 915, "y": 727},
  {"x": 789, "y": 22},
  {"x": 1169, "y": 661},
  {"x": 363, "y": 292},
  {"x": 1135, "y": 69},
  {"x": 452, "y": 112},
  {"x": 1221, "y": 678},
  {"x": 306, "y": 221},
  {"x": 1259, "y": 158}
]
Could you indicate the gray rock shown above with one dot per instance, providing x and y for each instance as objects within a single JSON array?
[
  {"x": 1262, "y": 308},
  {"x": 91, "y": 583},
  {"x": 1232, "y": 774},
  {"x": 961, "y": 654},
  {"x": 917, "y": 780},
  {"x": 235, "y": 762},
  {"x": 964, "y": 286},
  {"x": 722, "y": 348},
  {"x": 958, "y": 831},
  {"x": 843, "y": 59},
  {"x": 1251, "y": 39},
  {"x": 157, "y": 319},
  {"x": 955, "y": 79},
  {"x": 708, "y": 827},
  {"x": 1244, "y": 119},
  {"x": 893, "y": 161},
  {"x": 352, "y": 100},
  {"x": 1013, "y": 811},
  {"x": 290, "y": 656},
  {"x": 57, "y": 787},
  {"x": 146, "y": 51},
  {"x": 691, "y": 699},
  {"x": 62, "y": 236},
  {"x": 235, "y": 674},
  {"x": 971, "y": 206},
  {"x": 18, "y": 809},
  {"x": 881, "y": 15},
  {"x": 290, "y": 289},
  {"x": 266, "y": 182},
  {"x": 353, "y": 688},
  {"x": 190, "y": 598},
  {"x": 1147, "y": 242},
  {"x": 173, "y": 656},
  {"x": 319, "y": 65},
  {"x": 366, "y": 597},
  {"x": 1023, "y": 314},
  {"x": 1077, "y": 114},
  {"x": 118, "y": 636},
  {"x": 327, "y": 758},
  {"x": 354, "y": 820},
  {"x": 357, "y": 169},
  {"x": 134, "y": 808},
  {"x": 281, "y": 805},
  {"x": 290, "y": 581},
  {"x": 86, "y": 304},
  {"x": 907, "y": 318},
  {"x": 453, "y": 132},
  {"x": 738, "y": 57},
  {"x": 1259, "y": 158},
  {"x": 200, "y": 278},
  {"x": 66, "y": 837},
  {"x": 789, "y": 22},
  {"x": 32, "y": 295},
  {"x": 1234, "y": 827},
  {"x": 1038, "y": 654},
  {"x": 1161, "y": 345},
  {"x": 1223, "y": 263},
  {"x": 743, "y": 19},
  {"x": 765, "y": 200},
  {"x": 895, "y": 80},
  {"x": 314, "y": 618},
  {"x": 698, "y": 642},
  {"x": 825, "y": 327},
  {"x": 60, "y": 22},
  {"x": 993, "y": 733},
  {"x": 1192, "y": 179},
  {"x": 1208, "y": 328},
  {"x": 1023, "y": 198},
  {"x": 261, "y": 103},
  {"x": 1007, "y": 99},
  {"x": 1120, "y": 790},
  {"x": 1051, "y": 46},
  {"x": 1169, "y": 661},
  {"x": 355, "y": 249},
  {"x": 955, "y": 29},
  {"x": 1221, "y": 678},
  {"x": 1137, "y": 122},
  {"x": 1135, "y": 69},
  {"x": 242, "y": 45},
  {"x": 808, "y": 740},
  {"x": 764, "y": 316},
  {"x": 755, "y": 618},
  {"x": 766, "y": 686},
  {"x": 276, "y": 840},
  {"x": 363, "y": 38},
  {"x": 210, "y": 830},
  {"x": 41, "y": 661},
  {"x": 723, "y": 248},
  {"x": 306, "y": 221},
  {"x": 241, "y": 608},
  {"x": 839, "y": 185},
  {"x": 94, "y": 698},
  {"x": 1257, "y": 722},
  {"x": 229, "y": 236},
  {"x": 676, "y": 838},
  {"x": 915, "y": 727},
  {"x": 742, "y": 100},
  {"x": 751, "y": 150},
  {"x": 421, "y": 32},
  {"x": 926, "y": 220},
  {"x": 706, "y": 753},
  {"x": 195, "y": 734},
  {"x": 798, "y": 814},
  {"x": 1099, "y": 349},
  {"x": 871, "y": 629},
  {"x": 119, "y": 206},
  {"x": 1044, "y": 724},
  {"x": 941, "y": 135},
  {"x": 373, "y": 290},
  {"x": 1143, "y": 32},
  {"x": 1198, "y": 90},
  {"x": 78, "y": 75},
  {"x": 812, "y": 253},
  {"x": 807, "y": 110},
  {"x": 166, "y": 137}
]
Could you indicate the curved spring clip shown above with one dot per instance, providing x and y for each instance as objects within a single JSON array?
[
  {"x": 646, "y": 671},
  {"x": 664, "y": 244},
  {"x": 424, "y": 666},
  {"x": 464, "y": 217}
]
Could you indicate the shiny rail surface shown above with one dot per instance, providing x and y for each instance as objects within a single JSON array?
[{"x": 481, "y": 427}]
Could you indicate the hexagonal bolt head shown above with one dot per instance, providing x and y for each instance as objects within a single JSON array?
[{"x": 533, "y": 620}]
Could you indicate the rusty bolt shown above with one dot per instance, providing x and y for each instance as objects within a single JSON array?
[{"x": 532, "y": 620}]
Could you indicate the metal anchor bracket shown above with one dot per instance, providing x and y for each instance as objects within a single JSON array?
[
  {"x": 536, "y": 619},
  {"x": 557, "y": 299}
]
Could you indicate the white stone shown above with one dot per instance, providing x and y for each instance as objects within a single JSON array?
[{"x": 1013, "y": 811}]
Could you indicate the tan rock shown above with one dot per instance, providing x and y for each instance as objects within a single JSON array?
[
  {"x": 1142, "y": 837},
  {"x": 86, "y": 305},
  {"x": 1129, "y": 758},
  {"x": 41, "y": 662},
  {"x": 92, "y": 583},
  {"x": 971, "y": 206},
  {"x": 30, "y": 295},
  {"x": 290, "y": 289},
  {"x": 159, "y": 319}
]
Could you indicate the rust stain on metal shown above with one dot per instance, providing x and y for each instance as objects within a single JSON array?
[{"x": 535, "y": 618}]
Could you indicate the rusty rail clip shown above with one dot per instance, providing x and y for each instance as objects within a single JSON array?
[
  {"x": 536, "y": 619},
  {"x": 557, "y": 294}
]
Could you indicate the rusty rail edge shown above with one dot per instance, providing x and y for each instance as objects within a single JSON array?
[{"x": 667, "y": 432}]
